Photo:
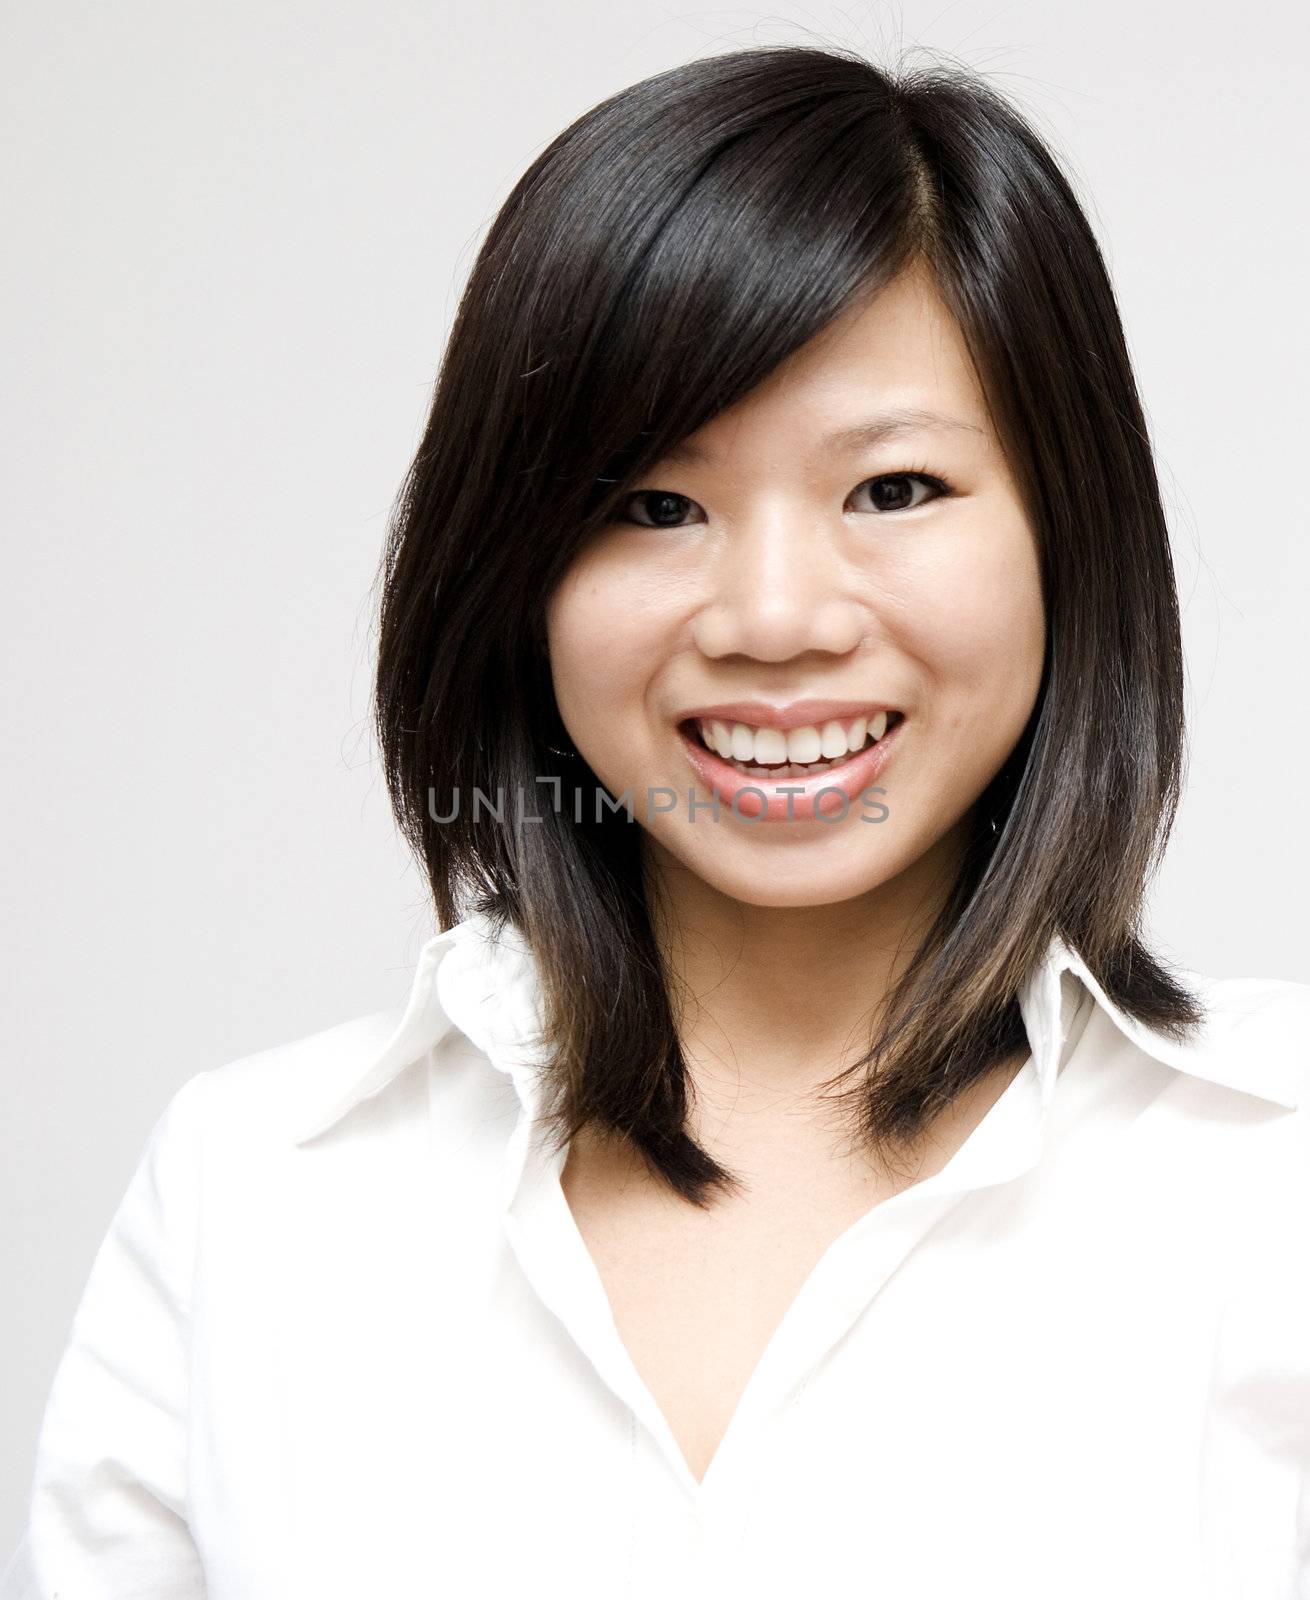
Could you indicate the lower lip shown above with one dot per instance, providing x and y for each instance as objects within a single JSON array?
[{"x": 810, "y": 798}]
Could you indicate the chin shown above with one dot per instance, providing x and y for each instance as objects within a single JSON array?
[{"x": 799, "y": 888}]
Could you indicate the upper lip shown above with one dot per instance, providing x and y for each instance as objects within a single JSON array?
[{"x": 795, "y": 714}]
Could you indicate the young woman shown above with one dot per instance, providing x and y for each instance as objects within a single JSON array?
[{"x": 792, "y": 1172}]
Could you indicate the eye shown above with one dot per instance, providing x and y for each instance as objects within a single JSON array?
[
  {"x": 890, "y": 491},
  {"x": 894, "y": 491},
  {"x": 664, "y": 510}
]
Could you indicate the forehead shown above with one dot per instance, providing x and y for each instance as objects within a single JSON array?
[{"x": 893, "y": 366}]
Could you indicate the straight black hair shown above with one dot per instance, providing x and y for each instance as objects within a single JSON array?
[{"x": 649, "y": 269}]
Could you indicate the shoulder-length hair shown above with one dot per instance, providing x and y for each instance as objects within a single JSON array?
[{"x": 650, "y": 268}]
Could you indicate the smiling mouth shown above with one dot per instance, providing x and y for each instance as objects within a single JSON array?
[{"x": 802, "y": 753}]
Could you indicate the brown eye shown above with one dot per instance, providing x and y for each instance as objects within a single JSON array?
[
  {"x": 895, "y": 491},
  {"x": 661, "y": 509}
]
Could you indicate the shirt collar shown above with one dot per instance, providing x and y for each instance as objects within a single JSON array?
[
  {"x": 472, "y": 978},
  {"x": 1249, "y": 1038},
  {"x": 481, "y": 981}
]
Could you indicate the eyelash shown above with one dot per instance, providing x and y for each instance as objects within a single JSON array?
[{"x": 940, "y": 485}]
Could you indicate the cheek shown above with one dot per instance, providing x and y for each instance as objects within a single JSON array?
[
  {"x": 979, "y": 627},
  {"x": 605, "y": 634}
]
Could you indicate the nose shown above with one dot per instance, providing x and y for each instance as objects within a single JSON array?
[{"x": 777, "y": 589}]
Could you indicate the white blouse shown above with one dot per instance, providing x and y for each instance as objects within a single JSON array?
[{"x": 344, "y": 1340}]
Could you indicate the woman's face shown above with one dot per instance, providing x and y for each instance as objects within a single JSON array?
[{"x": 780, "y": 556}]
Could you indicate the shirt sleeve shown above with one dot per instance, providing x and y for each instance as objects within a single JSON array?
[
  {"x": 107, "y": 1513},
  {"x": 1255, "y": 1457}
]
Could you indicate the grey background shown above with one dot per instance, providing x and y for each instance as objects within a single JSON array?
[{"x": 235, "y": 238}]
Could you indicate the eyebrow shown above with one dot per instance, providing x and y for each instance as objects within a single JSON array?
[{"x": 861, "y": 435}]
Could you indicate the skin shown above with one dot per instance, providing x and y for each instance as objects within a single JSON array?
[{"x": 783, "y": 579}]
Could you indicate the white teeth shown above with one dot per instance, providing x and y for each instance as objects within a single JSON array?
[
  {"x": 770, "y": 747},
  {"x": 834, "y": 741}
]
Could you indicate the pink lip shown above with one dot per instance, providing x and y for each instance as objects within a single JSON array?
[
  {"x": 807, "y": 798},
  {"x": 798, "y": 714}
]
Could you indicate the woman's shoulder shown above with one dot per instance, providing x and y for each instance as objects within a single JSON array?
[
  {"x": 1274, "y": 997},
  {"x": 1253, "y": 1036},
  {"x": 268, "y": 1093},
  {"x": 1257, "y": 1023},
  {"x": 1236, "y": 1114}
]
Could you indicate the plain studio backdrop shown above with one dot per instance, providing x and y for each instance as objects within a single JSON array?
[{"x": 236, "y": 235}]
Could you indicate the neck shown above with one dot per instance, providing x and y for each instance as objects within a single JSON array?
[{"x": 770, "y": 1002}]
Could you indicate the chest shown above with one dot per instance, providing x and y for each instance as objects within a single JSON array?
[
  {"x": 1044, "y": 1365},
  {"x": 696, "y": 1298},
  {"x": 698, "y": 1294}
]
